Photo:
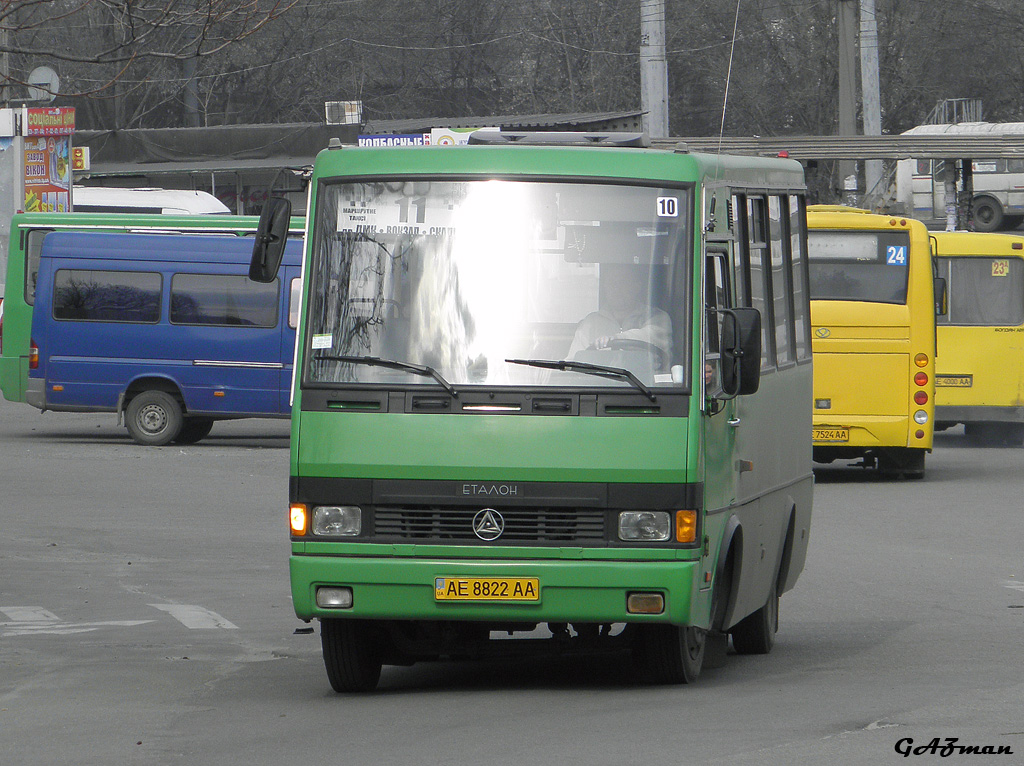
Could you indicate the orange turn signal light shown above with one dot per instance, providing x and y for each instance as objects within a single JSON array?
[
  {"x": 298, "y": 518},
  {"x": 686, "y": 526}
]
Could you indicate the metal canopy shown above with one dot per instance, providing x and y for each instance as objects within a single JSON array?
[{"x": 900, "y": 147}]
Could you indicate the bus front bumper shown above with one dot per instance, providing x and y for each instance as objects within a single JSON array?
[{"x": 581, "y": 591}]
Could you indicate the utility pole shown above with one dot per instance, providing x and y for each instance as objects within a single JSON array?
[
  {"x": 870, "y": 98},
  {"x": 653, "y": 68},
  {"x": 5, "y": 61},
  {"x": 845, "y": 20}
]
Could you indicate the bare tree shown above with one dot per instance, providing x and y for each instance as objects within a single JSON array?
[
  {"x": 157, "y": 63},
  {"x": 115, "y": 47}
]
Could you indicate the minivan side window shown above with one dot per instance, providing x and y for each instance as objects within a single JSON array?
[
  {"x": 223, "y": 299},
  {"x": 33, "y": 248},
  {"x": 107, "y": 296}
]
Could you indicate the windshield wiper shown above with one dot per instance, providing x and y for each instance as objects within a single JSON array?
[
  {"x": 591, "y": 369},
  {"x": 376, "y": 361}
]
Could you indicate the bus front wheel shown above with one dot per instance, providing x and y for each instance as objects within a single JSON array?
[
  {"x": 755, "y": 633},
  {"x": 988, "y": 214},
  {"x": 669, "y": 654},
  {"x": 351, "y": 655},
  {"x": 153, "y": 418}
]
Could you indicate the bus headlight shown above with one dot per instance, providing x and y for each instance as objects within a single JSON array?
[
  {"x": 337, "y": 520},
  {"x": 920, "y": 417},
  {"x": 647, "y": 526}
]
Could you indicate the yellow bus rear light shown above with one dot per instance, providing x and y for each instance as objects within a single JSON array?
[
  {"x": 686, "y": 526},
  {"x": 298, "y": 518},
  {"x": 921, "y": 360},
  {"x": 921, "y": 378},
  {"x": 921, "y": 397},
  {"x": 645, "y": 603}
]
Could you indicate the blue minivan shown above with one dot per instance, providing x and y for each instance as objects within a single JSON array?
[{"x": 166, "y": 330}]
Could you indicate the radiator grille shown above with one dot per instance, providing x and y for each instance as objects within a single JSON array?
[{"x": 556, "y": 525}]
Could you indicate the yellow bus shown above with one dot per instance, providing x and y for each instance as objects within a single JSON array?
[
  {"x": 979, "y": 374},
  {"x": 873, "y": 318}
]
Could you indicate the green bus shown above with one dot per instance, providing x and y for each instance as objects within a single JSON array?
[
  {"x": 17, "y": 351},
  {"x": 552, "y": 389}
]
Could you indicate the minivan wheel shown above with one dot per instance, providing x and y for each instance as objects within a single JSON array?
[
  {"x": 153, "y": 418},
  {"x": 193, "y": 430}
]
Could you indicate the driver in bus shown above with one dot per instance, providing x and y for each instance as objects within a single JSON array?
[{"x": 625, "y": 315}]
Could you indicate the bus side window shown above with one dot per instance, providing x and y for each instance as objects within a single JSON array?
[
  {"x": 799, "y": 276},
  {"x": 781, "y": 280},
  {"x": 741, "y": 262},
  {"x": 716, "y": 296},
  {"x": 759, "y": 274},
  {"x": 295, "y": 295}
]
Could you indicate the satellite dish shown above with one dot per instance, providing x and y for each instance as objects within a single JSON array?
[{"x": 43, "y": 84}]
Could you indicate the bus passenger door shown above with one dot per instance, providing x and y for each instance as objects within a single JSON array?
[
  {"x": 292, "y": 292},
  {"x": 719, "y": 433}
]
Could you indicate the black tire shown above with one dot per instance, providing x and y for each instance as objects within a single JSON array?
[
  {"x": 194, "y": 429},
  {"x": 669, "y": 654},
  {"x": 755, "y": 633},
  {"x": 351, "y": 655},
  {"x": 905, "y": 462},
  {"x": 1014, "y": 434},
  {"x": 988, "y": 214},
  {"x": 153, "y": 418},
  {"x": 989, "y": 434}
]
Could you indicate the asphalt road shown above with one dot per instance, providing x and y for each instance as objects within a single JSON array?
[{"x": 145, "y": 619}]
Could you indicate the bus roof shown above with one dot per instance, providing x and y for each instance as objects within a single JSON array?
[
  {"x": 93, "y": 199},
  {"x": 153, "y": 248},
  {"x": 140, "y": 222},
  {"x": 978, "y": 243},
  {"x": 968, "y": 128},
  {"x": 562, "y": 162}
]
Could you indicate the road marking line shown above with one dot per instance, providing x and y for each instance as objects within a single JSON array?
[
  {"x": 1011, "y": 585},
  {"x": 195, "y": 617},
  {"x": 63, "y": 629},
  {"x": 28, "y": 614}
]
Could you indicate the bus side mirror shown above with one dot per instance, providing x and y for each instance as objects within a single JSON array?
[
  {"x": 940, "y": 297},
  {"x": 271, "y": 235},
  {"x": 741, "y": 351}
]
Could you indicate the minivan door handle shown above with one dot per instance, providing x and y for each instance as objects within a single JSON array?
[{"x": 733, "y": 421}]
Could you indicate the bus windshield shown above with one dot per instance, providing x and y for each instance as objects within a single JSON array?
[
  {"x": 848, "y": 265},
  {"x": 475, "y": 282}
]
